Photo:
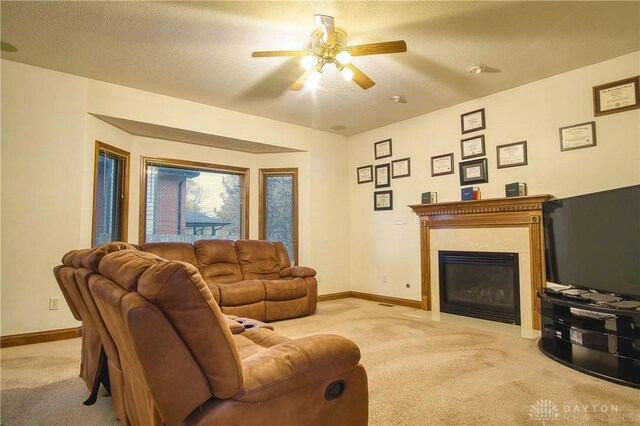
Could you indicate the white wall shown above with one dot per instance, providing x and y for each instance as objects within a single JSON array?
[
  {"x": 48, "y": 139},
  {"x": 534, "y": 113}
]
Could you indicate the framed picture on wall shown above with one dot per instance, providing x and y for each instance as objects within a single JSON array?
[
  {"x": 512, "y": 154},
  {"x": 474, "y": 171},
  {"x": 382, "y": 149},
  {"x": 578, "y": 136},
  {"x": 383, "y": 200},
  {"x": 401, "y": 168},
  {"x": 365, "y": 174},
  {"x": 472, "y": 121},
  {"x": 383, "y": 175},
  {"x": 442, "y": 165},
  {"x": 617, "y": 96},
  {"x": 472, "y": 147}
]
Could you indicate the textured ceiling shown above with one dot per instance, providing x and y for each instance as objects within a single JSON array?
[{"x": 201, "y": 51}]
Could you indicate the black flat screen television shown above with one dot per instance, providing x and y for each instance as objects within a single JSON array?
[{"x": 593, "y": 241}]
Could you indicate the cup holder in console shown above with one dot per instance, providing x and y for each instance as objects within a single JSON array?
[
  {"x": 249, "y": 323},
  {"x": 244, "y": 323}
]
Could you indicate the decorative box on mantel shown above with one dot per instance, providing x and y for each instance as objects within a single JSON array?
[{"x": 493, "y": 225}]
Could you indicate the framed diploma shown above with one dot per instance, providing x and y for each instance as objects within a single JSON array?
[
  {"x": 578, "y": 136},
  {"x": 401, "y": 168},
  {"x": 383, "y": 175},
  {"x": 365, "y": 174},
  {"x": 618, "y": 96},
  {"x": 472, "y": 121},
  {"x": 472, "y": 147},
  {"x": 382, "y": 149},
  {"x": 512, "y": 154},
  {"x": 442, "y": 165},
  {"x": 474, "y": 171},
  {"x": 383, "y": 200}
]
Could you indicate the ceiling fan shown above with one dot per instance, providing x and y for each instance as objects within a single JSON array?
[{"x": 328, "y": 45}]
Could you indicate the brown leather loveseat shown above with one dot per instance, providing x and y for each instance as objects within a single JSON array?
[
  {"x": 174, "y": 359},
  {"x": 250, "y": 278}
]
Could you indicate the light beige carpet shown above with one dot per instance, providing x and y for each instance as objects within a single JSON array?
[{"x": 420, "y": 372}]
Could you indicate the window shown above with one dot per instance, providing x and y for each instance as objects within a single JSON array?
[
  {"x": 110, "y": 194},
  {"x": 279, "y": 208},
  {"x": 188, "y": 201}
]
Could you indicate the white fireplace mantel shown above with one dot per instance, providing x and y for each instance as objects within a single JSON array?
[{"x": 502, "y": 224}]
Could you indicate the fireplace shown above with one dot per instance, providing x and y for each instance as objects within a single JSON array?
[{"x": 482, "y": 285}]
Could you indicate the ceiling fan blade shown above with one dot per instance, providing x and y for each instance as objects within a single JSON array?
[
  {"x": 299, "y": 83},
  {"x": 326, "y": 25},
  {"x": 271, "y": 53},
  {"x": 397, "y": 46},
  {"x": 360, "y": 78}
]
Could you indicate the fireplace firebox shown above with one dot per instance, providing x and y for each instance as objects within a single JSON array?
[{"x": 482, "y": 285}]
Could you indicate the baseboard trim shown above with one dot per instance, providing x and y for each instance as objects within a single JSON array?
[
  {"x": 40, "y": 337},
  {"x": 334, "y": 296},
  {"x": 72, "y": 333},
  {"x": 387, "y": 299},
  {"x": 373, "y": 297}
]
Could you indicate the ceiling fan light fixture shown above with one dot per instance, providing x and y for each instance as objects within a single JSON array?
[
  {"x": 343, "y": 57},
  {"x": 314, "y": 79},
  {"x": 347, "y": 73},
  {"x": 309, "y": 61},
  {"x": 329, "y": 46}
]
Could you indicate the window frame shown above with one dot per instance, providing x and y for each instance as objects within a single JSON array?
[
  {"x": 123, "y": 211},
  {"x": 262, "y": 208},
  {"x": 192, "y": 165}
]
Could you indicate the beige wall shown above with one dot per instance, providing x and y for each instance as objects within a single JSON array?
[
  {"x": 42, "y": 138},
  {"x": 48, "y": 138},
  {"x": 534, "y": 112},
  {"x": 46, "y": 169}
]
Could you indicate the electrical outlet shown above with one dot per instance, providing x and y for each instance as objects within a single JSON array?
[
  {"x": 318, "y": 278},
  {"x": 384, "y": 278},
  {"x": 53, "y": 303}
]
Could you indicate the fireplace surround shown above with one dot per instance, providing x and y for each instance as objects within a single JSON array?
[{"x": 501, "y": 224}]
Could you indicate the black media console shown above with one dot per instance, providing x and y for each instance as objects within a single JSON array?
[{"x": 596, "y": 333}]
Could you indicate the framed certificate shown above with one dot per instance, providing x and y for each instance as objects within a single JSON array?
[
  {"x": 512, "y": 154},
  {"x": 365, "y": 174},
  {"x": 578, "y": 136},
  {"x": 472, "y": 121},
  {"x": 383, "y": 200},
  {"x": 618, "y": 96},
  {"x": 472, "y": 147},
  {"x": 383, "y": 175},
  {"x": 382, "y": 149},
  {"x": 474, "y": 171},
  {"x": 401, "y": 168},
  {"x": 442, "y": 165}
]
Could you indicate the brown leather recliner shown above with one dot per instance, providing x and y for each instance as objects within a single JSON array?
[
  {"x": 100, "y": 362},
  {"x": 89, "y": 358},
  {"x": 182, "y": 365},
  {"x": 247, "y": 278}
]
